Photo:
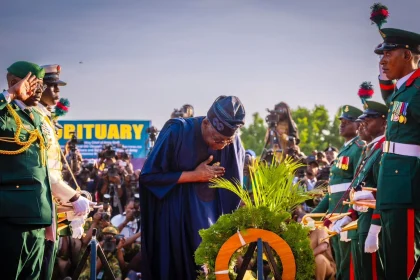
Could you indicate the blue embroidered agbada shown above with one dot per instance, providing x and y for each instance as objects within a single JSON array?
[{"x": 172, "y": 214}]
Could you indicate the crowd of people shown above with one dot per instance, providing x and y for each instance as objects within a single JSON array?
[{"x": 53, "y": 203}]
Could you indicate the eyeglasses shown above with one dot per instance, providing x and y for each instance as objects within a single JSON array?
[
  {"x": 224, "y": 142},
  {"x": 217, "y": 140}
]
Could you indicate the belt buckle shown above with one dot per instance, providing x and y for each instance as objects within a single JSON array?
[{"x": 386, "y": 146}]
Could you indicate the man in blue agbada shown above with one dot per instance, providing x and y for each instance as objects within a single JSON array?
[{"x": 176, "y": 200}]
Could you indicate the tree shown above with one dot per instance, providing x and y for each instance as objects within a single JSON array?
[
  {"x": 315, "y": 129},
  {"x": 253, "y": 135},
  {"x": 334, "y": 138}
]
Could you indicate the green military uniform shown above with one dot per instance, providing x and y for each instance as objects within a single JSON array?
[
  {"x": 25, "y": 196},
  {"x": 398, "y": 196},
  {"x": 342, "y": 171},
  {"x": 59, "y": 188},
  {"x": 370, "y": 264},
  {"x": 112, "y": 260}
]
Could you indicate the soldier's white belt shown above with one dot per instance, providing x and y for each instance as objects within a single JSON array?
[
  {"x": 338, "y": 188},
  {"x": 401, "y": 149}
]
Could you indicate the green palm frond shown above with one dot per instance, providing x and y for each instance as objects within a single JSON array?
[{"x": 272, "y": 186}]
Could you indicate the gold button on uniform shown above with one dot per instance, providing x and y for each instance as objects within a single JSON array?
[
  {"x": 17, "y": 187},
  {"x": 396, "y": 171},
  {"x": 392, "y": 103},
  {"x": 389, "y": 110}
]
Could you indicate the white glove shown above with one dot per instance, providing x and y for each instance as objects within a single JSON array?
[
  {"x": 372, "y": 240},
  {"x": 71, "y": 216},
  {"x": 341, "y": 223},
  {"x": 77, "y": 227},
  {"x": 363, "y": 195},
  {"x": 82, "y": 206},
  {"x": 360, "y": 208}
]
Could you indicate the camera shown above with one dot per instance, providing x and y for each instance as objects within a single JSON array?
[
  {"x": 73, "y": 142},
  {"x": 105, "y": 217},
  {"x": 87, "y": 166},
  {"x": 107, "y": 152},
  {"x": 273, "y": 118},
  {"x": 152, "y": 131},
  {"x": 177, "y": 114},
  {"x": 324, "y": 173},
  {"x": 110, "y": 245},
  {"x": 111, "y": 171},
  {"x": 125, "y": 156},
  {"x": 301, "y": 172}
]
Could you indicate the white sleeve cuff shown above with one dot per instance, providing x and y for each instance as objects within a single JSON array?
[{"x": 6, "y": 95}]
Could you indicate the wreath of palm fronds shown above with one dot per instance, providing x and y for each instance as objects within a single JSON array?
[
  {"x": 273, "y": 186},
  {"x": 275, "y": 194}
]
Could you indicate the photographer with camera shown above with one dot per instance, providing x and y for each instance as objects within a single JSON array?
[
  {"x": 150, "y": 142},
  {"x": 85, "y": 178},
  {"x": 112, "y": 244},
  {"x": 112, "y": 186},
  {"x": 128, "y": 223},
  {"x": 73, "y": 156},
  {"x": 61, "y": 191},
  {"x": 100, "y": 220},
  {"x": 186, "y": 111},
  {"x": 282, "y": 137},
  {"x": 110, "y": 178},
  {"x": 124, "y": 162}
]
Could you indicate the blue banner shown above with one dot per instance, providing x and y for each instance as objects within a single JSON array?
[{"x": 131, "y": 135}]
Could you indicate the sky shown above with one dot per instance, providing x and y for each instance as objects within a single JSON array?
[{"x": 141, "y": 59}]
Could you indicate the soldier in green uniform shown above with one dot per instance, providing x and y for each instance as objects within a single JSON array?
[
  {"x": 60, "y": 189},
  {"x": 398, "y": 197},
  {"x": 342, "y": 171},
  {"x": 25, "y": 195},
  {"x": 115, "y": 258},
  {"x": 373, "y": 122}
]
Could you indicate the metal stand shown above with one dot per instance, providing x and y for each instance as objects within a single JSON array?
[
  {"x": 262, "y": 247},
  {"x": 94, "y": 250},
  {"x": 273, "y": 139},
  {"x": 415, "y": 270}
]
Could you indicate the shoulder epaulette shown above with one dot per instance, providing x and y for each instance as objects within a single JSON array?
[{"x": 360, "y": 143}]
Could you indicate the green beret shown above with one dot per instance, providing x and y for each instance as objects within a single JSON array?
[
  {"x": 398, "y": 39},
  {"x": 374, "y": 109},
  {"x": 350, "y": 113},
  {"x": 21, "y": 68}
]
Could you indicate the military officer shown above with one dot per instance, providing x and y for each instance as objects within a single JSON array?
[
  {"x": 331, "y": 153},
  {"x": 373, "y": 122},
  {"x": 60, "y": 189},
  {"x": 25, "y": 195},
  {"x": 398, "y": 197},
  {"x": 342, "y": 170}
]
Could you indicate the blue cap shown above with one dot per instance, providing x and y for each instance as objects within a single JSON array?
[
  {"x": 251, "y": 153},
  {"x": 227, "y": 115}
]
